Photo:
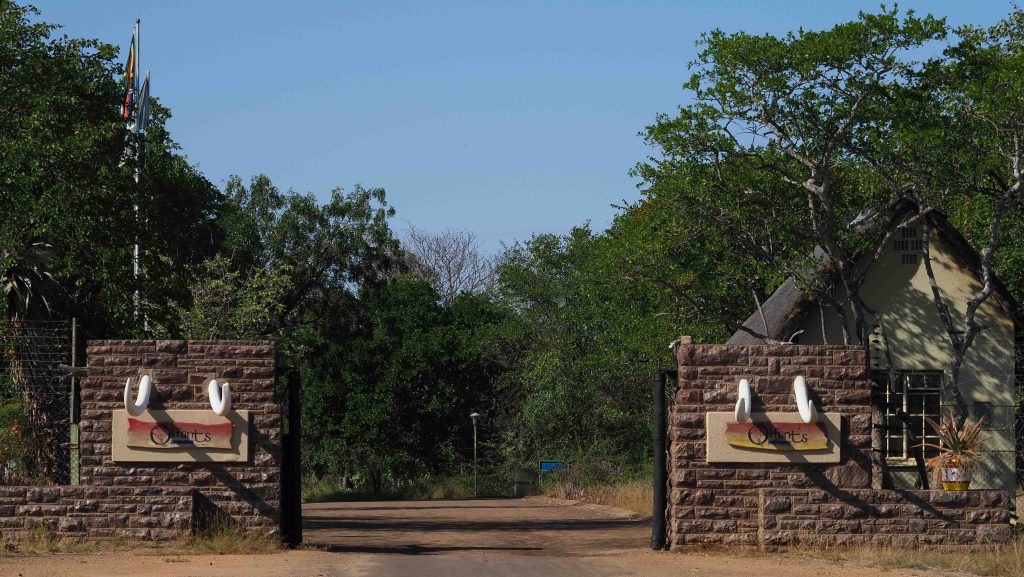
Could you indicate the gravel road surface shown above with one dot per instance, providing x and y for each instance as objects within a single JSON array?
[{"x": 533, "y": 537}]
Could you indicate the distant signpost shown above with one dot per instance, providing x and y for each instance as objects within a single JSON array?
[{"x": 551, "y": 466}]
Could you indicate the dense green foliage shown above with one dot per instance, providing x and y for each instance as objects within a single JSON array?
[
  {"x": 392, "y": 399},
  {"x": 782, "y": 141}
]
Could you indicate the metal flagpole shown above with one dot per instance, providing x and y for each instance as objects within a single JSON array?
[{"x": 137, "y": 301}]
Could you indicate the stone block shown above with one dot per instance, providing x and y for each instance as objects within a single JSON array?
[
  {"x": 713, "y": 513},
  {"x": 979, "y": 516},
  {"x": 172, "y": 347},
  {"x": 752, "y": 474},
  {"x": 852, "y": 356},
  {"x": 12, "y": 522},
  {"x": 832, "y": 511},
  {"x": 42, "y": 495},
  {"x": 16, "y": 493},
  {"x": 994, "y": 534},
  {"x": 86, "y": 506},
  {"x": 816, "y": 372},
  {"x": 137, "y": 534},
  {"x": 48, "y": 524},
  {"x": 71, "y": 525},
  {"x": 846, "y": 373},
  {"x": 692, "y": 526},
  {"x": 40, "y": 510},
  {"x": 849, "y": 476},
  {"x": 774, "y": 537},
  {"x": 994, "y": 499},
  {"x": 777, "y": 505},
  {"x": 144, "y": 522},
  {"x": 853, "y": 397}
]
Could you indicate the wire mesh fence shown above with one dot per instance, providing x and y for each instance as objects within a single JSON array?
[{"x": 35, "y": 403}]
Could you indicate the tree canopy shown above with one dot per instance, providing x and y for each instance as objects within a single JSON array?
[{"x": 781, "y": 141}]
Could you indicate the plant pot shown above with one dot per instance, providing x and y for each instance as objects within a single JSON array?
[{"x": 956, "y": 478}]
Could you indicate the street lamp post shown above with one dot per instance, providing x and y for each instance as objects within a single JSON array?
[{"x": 476, "y": 421}]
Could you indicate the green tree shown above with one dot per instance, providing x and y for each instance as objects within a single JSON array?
[
  {"x": 797, "y": 121},
  {"x": 591, "y": 333},
  {"x": 61, "y": 146},
  {"x": 222, "y": 306},
  {"x": 330, "y": 251},
  {"x": 812, "y": 128},
  {"x": 389, "y": 403}
]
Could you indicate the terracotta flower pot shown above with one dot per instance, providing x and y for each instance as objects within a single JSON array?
[{"x": 956, "y": 478}]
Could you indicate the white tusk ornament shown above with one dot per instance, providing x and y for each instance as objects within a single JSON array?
[
  {"x": 145, "y": 389},
  {"x": 803, "y": 402},
  {"x": 220, "y": 398},
  {"x": 743, "y": 403}
]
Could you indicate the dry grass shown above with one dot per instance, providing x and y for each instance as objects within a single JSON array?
[
  {"x": 40, "y": 541},
  {"x": 1003, "y": 561},
  {"x": 426, "y": 487},
  {"x": 228, "y": 540},
  {"x": 635, "y": 496}
]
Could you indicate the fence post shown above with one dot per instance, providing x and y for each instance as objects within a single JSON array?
[
  {"x": 75, "y": 411},
  {"x": 291, "y": 464}
]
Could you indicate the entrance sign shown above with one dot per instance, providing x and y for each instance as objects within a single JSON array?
[
  {"x": 180, "y": 436},
  {"x": 168, "y": 434},
  {"x": 777, "y": 436},
  {"x": 772, "y": 438}
]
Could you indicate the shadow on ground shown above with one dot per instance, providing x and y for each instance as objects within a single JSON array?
[{"x": 523, "y": 527}]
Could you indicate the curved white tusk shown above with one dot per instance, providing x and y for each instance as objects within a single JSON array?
[
  {"x": 145, "y": 388},
  {"x": 220, "y": 398},
  {"x": 743, "y": 403},
  {"x": 803, "y": 402}
]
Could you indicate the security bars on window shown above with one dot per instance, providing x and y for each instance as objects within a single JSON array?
[{"x": 919, "y": 394}]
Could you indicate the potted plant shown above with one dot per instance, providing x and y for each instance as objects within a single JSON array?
[{"x": 959, "y": 451}]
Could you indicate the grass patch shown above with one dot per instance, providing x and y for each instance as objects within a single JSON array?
[
  {"x": 635, "y": 495},
  {"x": 324, "y": 489},
  {"x": 318, "y": 490},
  {"x": 228, "y": 539},
  {"x": 42, "y": 541},
  {"x": 224, "y": 540},
  {"x": 1001, "y": 561},
  {"x": 603, "y": 482}
]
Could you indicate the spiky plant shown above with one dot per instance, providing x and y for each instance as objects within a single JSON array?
[{"x": 959, "y": 445}]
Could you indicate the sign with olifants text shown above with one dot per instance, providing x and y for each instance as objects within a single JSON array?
[
  {"x": 179, "y": 436},
  {"x": 777, "y": 436},
  {"x": 167, "y": 434},
  {"x": 772, "y": 438}
]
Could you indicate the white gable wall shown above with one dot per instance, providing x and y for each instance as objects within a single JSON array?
[{"x": 901, "y": 296}]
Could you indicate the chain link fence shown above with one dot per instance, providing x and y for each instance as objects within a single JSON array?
[{"x": 35, "y": 403}]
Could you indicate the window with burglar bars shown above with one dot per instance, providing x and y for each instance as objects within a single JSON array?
[{"x": 919, "y": 395}]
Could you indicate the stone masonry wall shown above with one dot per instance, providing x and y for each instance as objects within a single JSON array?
[
  {"x": 718, "y": 504},
  {"x": 742, "y": 503},
  {"x": 901, "y": 519},
  {"x": 159, "y": 500}
]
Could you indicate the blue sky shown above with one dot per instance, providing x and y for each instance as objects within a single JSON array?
[{"x": 506, "y": 119}]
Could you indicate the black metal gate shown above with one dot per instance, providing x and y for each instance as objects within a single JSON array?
[{"x": 291, "y": 463}]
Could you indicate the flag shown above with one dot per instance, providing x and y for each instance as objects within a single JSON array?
[
  {"x": 131, "y": 76},
  {"x": 130, "y": 83},
  {"x": 142, "y": 110}
]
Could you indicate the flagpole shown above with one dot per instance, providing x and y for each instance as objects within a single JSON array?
[{"x": 137, "y": 301}]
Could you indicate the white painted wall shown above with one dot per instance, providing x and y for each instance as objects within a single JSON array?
[{"x": 902, "y": 299}]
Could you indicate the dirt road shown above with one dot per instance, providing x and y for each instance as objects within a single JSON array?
[{"x": 478, "y": 538}]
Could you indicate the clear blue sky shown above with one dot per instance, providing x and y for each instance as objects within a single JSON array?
[{"x": 503, "y": 118}]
